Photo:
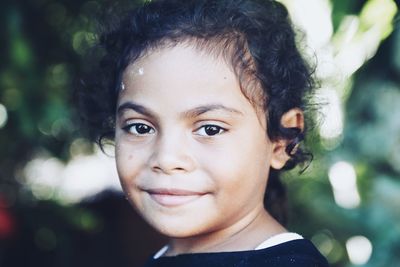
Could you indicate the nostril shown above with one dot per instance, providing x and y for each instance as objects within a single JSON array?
[
  {"x": 170, "y": 158},
  {"x": 167, "y": 170},
  {"x": 156, "y": 168}
]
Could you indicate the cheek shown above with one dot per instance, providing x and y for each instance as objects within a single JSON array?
[
  {"x": 232, "y": 164},
  {"x": 129, "y": 166},
  {"x": 127, "y": 161}
]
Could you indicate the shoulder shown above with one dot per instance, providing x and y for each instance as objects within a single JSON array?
[{"x": 299, "y": 252}]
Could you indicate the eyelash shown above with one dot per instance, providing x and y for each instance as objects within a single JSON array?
[
  {"x": 128, "y": 128},
  {"x": 212, "y": 127},
  {"x": 206, "y": 130}
]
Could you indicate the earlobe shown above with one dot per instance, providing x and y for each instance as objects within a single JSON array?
[
  {"x": 279, "y": 155},
  {"x": 293, "y": 118}
]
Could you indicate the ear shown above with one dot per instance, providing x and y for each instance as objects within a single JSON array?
[{"x": 293, "y": 118}]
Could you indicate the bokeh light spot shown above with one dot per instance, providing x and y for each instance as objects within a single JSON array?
[
  {"x": 61, "y": 126},
  {"x": 331, "y": 114},
  {"x": 83, "y": 176},
  {"x": 82, "y": 40},
  {"x": 3, "y": 116},
  {"x": 89, "y": 222},
  {"x": 42, "y": 191},
  {"x": 80, "y": 146},
  {"x": 324, "y": 242},
  {"x": 328, "y": 246},
  {"x": 359, "y": 249},
  {"x": 58, "y": 75},
  {"x": 343, "y": 179}
]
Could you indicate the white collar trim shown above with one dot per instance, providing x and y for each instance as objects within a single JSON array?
[{"x": 278, "y": 239}]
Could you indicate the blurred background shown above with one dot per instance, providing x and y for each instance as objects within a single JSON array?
[{"x": 60, "y": 199}]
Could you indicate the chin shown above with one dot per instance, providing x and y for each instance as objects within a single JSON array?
[{"x": 178, "y": 230}]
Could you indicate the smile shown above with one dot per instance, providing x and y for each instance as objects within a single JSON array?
[{"x": 173, "y": 197}]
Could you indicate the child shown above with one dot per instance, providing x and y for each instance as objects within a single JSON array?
[{"x": 205, "y": 101}]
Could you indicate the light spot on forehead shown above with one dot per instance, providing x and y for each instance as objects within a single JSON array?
[
  {"x": 135, "y": 70},
  {"x": 131, "y": 73}
]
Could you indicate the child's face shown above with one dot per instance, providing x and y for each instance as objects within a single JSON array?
[{"x": 192, "y": 152}]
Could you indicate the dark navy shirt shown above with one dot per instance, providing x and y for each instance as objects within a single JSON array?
[{"x": 293, "y": 253}]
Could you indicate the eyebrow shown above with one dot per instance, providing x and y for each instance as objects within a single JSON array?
[
  {"x": 197, "y": 111},
  {"x": 191, "y": 113},
  {"x": 135, "y": 107}
]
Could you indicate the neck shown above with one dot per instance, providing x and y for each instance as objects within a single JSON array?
[{"x": 245, "y": 234}]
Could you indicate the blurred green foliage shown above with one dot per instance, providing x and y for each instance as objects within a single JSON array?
[{"x": 41, "y": 59}]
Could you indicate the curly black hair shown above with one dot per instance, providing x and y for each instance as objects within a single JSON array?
[{"x": 257, "y": 39}]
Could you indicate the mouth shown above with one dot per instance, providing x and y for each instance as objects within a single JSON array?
[{"x": 173, "y": 197}]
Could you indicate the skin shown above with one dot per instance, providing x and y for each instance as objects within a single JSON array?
[{"x": 192, "y": 152}]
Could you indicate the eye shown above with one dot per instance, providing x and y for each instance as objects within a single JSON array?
[
  {"x": 139, "y": 129},
  {"x": 209, "y": 130}
]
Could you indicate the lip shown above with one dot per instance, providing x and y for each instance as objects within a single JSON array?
[{"x": 173, "y": 197}]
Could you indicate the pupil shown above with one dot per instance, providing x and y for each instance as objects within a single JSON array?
[
  {"x": 142, "y": 129},
  {"x": 211, "y": 130}
]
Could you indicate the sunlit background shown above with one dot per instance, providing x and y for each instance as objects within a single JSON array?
[{"x": 60, "y": 198}]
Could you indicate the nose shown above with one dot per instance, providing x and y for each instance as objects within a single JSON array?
[{"x": 172, "y": 155}]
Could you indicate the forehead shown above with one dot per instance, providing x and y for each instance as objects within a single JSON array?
[
  {"x": 182, "y": 77},
  {"x": 208, "y": 60},
  {"x": 178, "y": 66},
  {"x": 173, "y": 53}
]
